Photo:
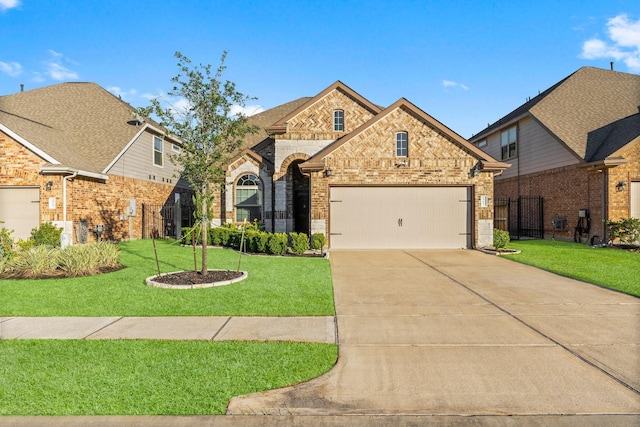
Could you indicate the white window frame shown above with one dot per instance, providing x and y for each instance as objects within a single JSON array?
[
  {"x": 338, "y": 120},
  {"x": 175, "y": 148},
  {"x": 509, "y": 143},
  {"x": 402, "y": 144},
  {"x": 158, "y": 151}
]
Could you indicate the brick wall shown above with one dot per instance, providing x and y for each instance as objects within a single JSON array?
[
  {"x": 95, "y": 201},
  {"x": 369, "y": 159},
  {"x": 565, "y": 191},
  {"x": 620, "y": 201}
]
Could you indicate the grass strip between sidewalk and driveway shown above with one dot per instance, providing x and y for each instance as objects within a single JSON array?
[
  {"x": 276, "y": 286},
  {"x": 129, "y": 377},
  {"x": 611, "y": 268}
]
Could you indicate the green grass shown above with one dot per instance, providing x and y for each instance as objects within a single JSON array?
[
  {"x": 608, "y": 267},
  {"x": 83, "y": 377},
  {"x": 276, "y": 286}
]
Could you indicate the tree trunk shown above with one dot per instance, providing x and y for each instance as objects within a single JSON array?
[{"x": 205, "y": 227}]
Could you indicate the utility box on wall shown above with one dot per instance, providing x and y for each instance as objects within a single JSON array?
[{"x": 131, "y": 210}]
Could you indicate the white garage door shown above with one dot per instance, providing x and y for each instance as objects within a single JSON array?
[
  {"x": 400, "y": 217},
  {"x": 635, "y": 199},
  {"x": 20, "y": 210}
]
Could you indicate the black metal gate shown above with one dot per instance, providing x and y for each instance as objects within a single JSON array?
[
  {"x": 521, "y": 217},
  {"x": 162, "y": 221}
]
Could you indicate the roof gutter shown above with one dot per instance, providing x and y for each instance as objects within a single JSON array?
[
  {"x": 65, "y": 170},
  {"x": 607, "y": 163}
]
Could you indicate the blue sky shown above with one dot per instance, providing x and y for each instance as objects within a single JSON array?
[{"x": 466, "y": 63}]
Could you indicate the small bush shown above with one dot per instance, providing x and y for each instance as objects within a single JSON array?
[
  {"x": 277, "y": 244},
  {"x": 256, "y": 240},
  {"x": 318, "y": 241},
  {"x": 79, "y": 261},
  {"x": 6, "y": 242},
  {"x": 627, "y": 230},
  {"x": 46, "y": 234},
  {"x": 501, "y": 238},
  {"x": 299, "y": 243}
]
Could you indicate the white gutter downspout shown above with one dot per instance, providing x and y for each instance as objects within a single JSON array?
[{"x": 64, "y": 199}]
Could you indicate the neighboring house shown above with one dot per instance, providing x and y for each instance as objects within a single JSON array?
[
  {"x": 75, "y": 155},
  {"x": 364, "y": 176},
  {"x": 577, "y": 144}
]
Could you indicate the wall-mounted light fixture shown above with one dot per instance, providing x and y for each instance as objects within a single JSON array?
[
  {"x": 475, "y": 171},
  {"x": 621, "y": 186},
  {"x": 48, "y": 186},
  {"x": 328, "y": 172}
]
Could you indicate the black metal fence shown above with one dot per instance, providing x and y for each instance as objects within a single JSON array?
[
  {"x": 521, "y": 217},
  {"x": 165, "y": 221}
]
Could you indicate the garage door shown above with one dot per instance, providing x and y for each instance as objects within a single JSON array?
[
  {"x": 20, "y": 210},
  {"x": 400, "y": 217},
  {"x": 635, "y": 199}
]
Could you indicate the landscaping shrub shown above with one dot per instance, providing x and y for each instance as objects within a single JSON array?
[
  {"x": 627, "y": 230},
  {"x": 277, "y": 244},
  {"x": 318, "y": 241},
  {"x": 79, "y": 260},
  {"x": 256, "y": 240},
  {"x": 36, "y": 262},
  {"x": 501, "y": 238},
  {"x": 299, "y": 243},
  {"x": 46, "y": 234},
  {"x": 6, "y": 242}
]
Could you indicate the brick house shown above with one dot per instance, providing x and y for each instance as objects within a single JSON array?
[
  {"x": 75, "y": 155},
  {"x": 577, "y": 144},
  {"x": 365, "y": 176}
]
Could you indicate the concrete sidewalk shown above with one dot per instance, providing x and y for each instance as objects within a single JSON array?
[{"x": 320, "y": 329}]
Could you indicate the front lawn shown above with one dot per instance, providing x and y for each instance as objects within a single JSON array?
[
  {"x": 608, "y": 267},
  {"x": 86, "y": 377},
  {"x": 276, "y": 286}
]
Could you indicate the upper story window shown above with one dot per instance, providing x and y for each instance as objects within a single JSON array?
[
  {"x": 175, "y": 148},
  {"x": 338, "y": 121},
  {"x": 482, "y": 143},
  {"x": 402, "y": 144},
  {"x": 508, "y": 143},
  {"x": 158, "y": 147}
]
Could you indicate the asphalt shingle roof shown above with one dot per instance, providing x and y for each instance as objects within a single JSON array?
[
  {"x": 587, "y": 100},
  {"x": 80, "y": 125}
]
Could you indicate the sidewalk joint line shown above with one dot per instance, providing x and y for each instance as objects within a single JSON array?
[
  {"x": 559, "y": 344},
  {"x": 104, "y": 327},
  {"x": 221, "y": 328}
]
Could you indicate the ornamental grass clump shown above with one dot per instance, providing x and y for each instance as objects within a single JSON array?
[
  {"x": 39, "y": 261},
  {"x": 45, "y": 261}
]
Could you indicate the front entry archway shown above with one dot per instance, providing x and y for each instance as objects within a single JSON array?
[{"x": 300, "y": 198}]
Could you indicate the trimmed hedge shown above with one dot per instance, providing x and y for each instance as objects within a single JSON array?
[{"x": 256, "y": 240}]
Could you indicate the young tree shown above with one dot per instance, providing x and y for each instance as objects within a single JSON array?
[{"x": 211, "y": 133}]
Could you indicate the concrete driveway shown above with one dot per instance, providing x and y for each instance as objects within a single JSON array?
[{"x": 466, "y": 333}]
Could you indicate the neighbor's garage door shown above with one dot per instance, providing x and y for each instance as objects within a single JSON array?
[
  {"x": 20, "y": 210},
  {"x": 400, "y": 217},
  {"x": 635, "y": 199}
]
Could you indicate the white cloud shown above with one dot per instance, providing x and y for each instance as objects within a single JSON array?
[
  {"x": 623, "y": 44},
  {"x": 451, "y": 84},
  {"x": 122, "y": 94},
  {"x": 248, "y": 110},
  {"x": 11, "y": 68},
  {"x": 56, "y": 69},
  {"x": 8, "y": 4}
]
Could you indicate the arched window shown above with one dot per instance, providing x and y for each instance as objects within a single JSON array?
[
  {"x": 402, "y": 144},
  {"x": 248, "y": 198}
]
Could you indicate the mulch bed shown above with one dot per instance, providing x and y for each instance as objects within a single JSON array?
[{"x": 189, "y": 278}]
